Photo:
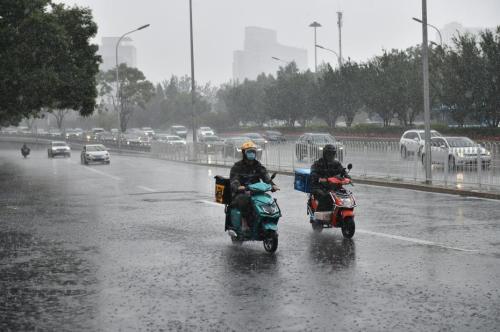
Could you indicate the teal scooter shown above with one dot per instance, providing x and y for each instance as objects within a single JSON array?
[{"x": 265, "y": 223}]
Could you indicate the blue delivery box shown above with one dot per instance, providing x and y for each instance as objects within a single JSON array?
[{"x": 302, "y": 180}]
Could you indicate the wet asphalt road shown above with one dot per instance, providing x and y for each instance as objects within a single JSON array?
[{"x": 138, "y": 245}]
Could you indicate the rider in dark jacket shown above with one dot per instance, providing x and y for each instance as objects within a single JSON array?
[
  {"x": 322, "y": 169},
  {"x": 244, "y": 172},
  {"x": 25, "y": 150}
]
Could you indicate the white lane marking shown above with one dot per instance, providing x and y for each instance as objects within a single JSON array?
[
  {"x": 151, "y": 190},
  {"x": 102, "y": 173},
  {"x": 418, "y": 241},
  {"x": 209, "y": 202}
]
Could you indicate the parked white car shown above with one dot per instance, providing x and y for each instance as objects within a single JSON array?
[
  {"x": 458, "y": 152},
  {"x": 412, "y": 142},
  {"x": 94, "y": 153}
]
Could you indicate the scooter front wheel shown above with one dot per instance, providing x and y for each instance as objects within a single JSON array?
[
  {"x": 317, "y": 227},
  {"x": 348, "y": 227},
  {"x": 271, "y": 242}
]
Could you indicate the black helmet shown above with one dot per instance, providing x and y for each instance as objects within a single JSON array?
[{"x": 329, "y": 152}]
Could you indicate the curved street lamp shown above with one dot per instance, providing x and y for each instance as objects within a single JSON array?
[
  {"x": 432, "y": 26},
  {"x": 281, "y": 60},
  {"x": 116, "y": 62},
  {"x": 332, "y": 51}
]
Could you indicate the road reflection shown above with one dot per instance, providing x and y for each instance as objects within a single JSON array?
[
  {"x": 241, "y": 259},
  {"x": 332, "y": 250},
  {"x": 43, "y": 285}
]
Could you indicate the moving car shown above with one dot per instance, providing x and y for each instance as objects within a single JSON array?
[
  {"x": 257, "y": 139},
  {"x": 231, "y": 147},
  {"x": 413, "y": 141},
  {"x": 204, "y": 131},
  {"x": 55, "y": 132},
  {"x": 57, "y": 148},
  {"x": 310, "y": 145},
  {"x": 458, "y": 151},
  {"x": 131, "y": 139},
  {"x": 94, "y": 153},
  {"x": 211, "y": 144},
  {"x": 179, "y": 131},
  {"x": 148, "y": 131},
  {"x": 70, "y": 133},
  {"x": 274, "y": 136},
  {"x": 170, "y": 139}
]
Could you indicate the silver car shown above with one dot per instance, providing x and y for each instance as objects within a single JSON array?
[
  {"x": 310, "y": 146},
  {"x": 57, "y": 148},
  {"x": 94, "y": 153},
  {"x": 458, "y": 151}
]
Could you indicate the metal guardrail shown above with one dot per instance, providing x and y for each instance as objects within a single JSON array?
[{"x": 371, "y": 159}]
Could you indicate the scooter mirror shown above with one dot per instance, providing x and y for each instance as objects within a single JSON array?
[
  {"x": 273, "y": 176},
  {"x": 349, "y": 166}
]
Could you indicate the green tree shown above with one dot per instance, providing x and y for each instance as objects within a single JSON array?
[
  {"x": 325, "y": 96},
  {"x": 246, "y": 101},
  {"x": 46, "y": 59},
  {"x": 349, "y": 87},
  {"x": 489, "y": 108},
  {"x": 177, "y": 105},
  {"x": 134, "y": 92},
  {"x": 463, "y": 72},
  {"x": 288, "y": 97}
]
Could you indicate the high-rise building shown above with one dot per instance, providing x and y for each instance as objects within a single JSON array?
[
  {"x": 127, "y": 52},
  {"x": 260, "y": 46}
]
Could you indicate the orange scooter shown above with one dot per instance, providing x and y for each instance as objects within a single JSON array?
[{"x": 342, "y": 213}]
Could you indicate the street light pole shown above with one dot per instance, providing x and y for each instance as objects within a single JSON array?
[
  {"x": 339, "y": 23},
  {"x": 432, "y": 26},
  {"x": 193, "y": 84},
  {"x": 427, "y": 116},
  {"x": 315, "y": 25},
  {"x": 118, "y": 92}
]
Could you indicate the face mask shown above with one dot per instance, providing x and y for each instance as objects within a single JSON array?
[
  {"x": 250, "y": 155},
  {"x": 330, "y": 156}
]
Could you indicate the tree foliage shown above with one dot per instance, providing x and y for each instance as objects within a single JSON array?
[
  {"x": 46, "y": 59},
  {"x": 134, "y": 91}
]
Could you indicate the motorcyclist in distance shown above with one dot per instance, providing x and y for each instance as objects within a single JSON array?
[
  {"x": 25, "y": 150},
  {"x": 244, "y": 172},
  {"x": 321, "y": 170}
]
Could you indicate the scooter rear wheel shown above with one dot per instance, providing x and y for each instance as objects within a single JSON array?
[
  {"x": 348, "y": 227},
  {"x": 271, "y": 242},
  {"x": 236, "y": 241}
]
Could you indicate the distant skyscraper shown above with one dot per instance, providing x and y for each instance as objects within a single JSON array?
[
  {"x": 451, "y": 30},
  {"x": 127, "y": 52},
  {"x": 259, "y": 48}
]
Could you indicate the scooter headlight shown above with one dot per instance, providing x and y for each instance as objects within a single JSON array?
[
  {"x": 270, "y": 208},
  {"x": 347, "y": 201}
]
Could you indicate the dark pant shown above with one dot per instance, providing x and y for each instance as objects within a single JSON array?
[
  {"x": 325, "y": 202},
  {"x": 243, "y": 203}
]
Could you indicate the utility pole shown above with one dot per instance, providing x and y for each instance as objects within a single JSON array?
[
  {"x": 427, "y": 112},
  {"x": 339, "y": 23},
  {"x": 193, "y": 83}
]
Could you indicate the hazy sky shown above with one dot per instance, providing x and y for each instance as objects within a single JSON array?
[{"x": 369, "y": 26}]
